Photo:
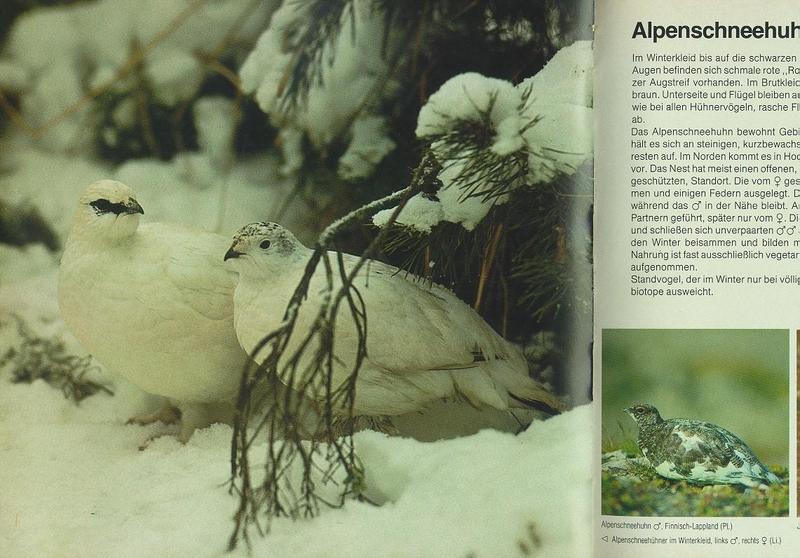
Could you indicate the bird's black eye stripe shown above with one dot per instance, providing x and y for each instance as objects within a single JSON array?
[
  {"x": 104, "y": 206},
  {"x": 264, "y": 244}
]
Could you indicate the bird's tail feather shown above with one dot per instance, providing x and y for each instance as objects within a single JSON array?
[
  {"x": 773, "y": 478},
  {"x": 479, "y": 389},
  {"x": 525, "y": 392},
  {"x": 495, "y": 385},
  {"x": 541, "y": 400}
]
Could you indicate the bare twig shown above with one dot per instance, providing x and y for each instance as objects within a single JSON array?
[
  {"x": 486, "y": 265},
  {"x": 46, "y": 358},
  {"x": 141, "y": 95},
  {"x": 301, "y": 381}
]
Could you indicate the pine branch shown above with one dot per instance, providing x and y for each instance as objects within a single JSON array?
[
  {"x": 525, "y": 281},
  {"x": 317, "y": 30},
  {"x": 467, "y": 143}
]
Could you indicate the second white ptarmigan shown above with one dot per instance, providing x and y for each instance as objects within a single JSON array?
[
  {"x": 153, "y": 303},
  {"x": 423, "y": 343}
]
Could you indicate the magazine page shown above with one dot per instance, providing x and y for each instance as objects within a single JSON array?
[
  {"x": 295, "y": 278},
  {"x": 697, "y": 244}
]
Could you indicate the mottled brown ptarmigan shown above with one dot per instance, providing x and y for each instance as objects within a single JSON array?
[{"x": 696, "y": 451}]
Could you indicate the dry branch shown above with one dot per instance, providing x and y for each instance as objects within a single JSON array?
[{"x": 329, "y": 451}]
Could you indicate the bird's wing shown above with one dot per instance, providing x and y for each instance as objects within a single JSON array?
[
  {"x": 413, "y": 325},
  {"x": 193, "y": 265},
  {"x": 737, "y": 445},
  {"x": 703, "y": 442}
]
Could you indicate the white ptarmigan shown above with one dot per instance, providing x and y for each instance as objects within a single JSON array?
[
  {"x": 422, "y": 342},
  {"x": 696, "y": 451},
  {"x": 153, "y": 303}
]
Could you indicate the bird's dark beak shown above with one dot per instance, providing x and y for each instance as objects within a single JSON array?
[
  {"x": 132, "y": 206},
  {"x": 231, "y": 253}
]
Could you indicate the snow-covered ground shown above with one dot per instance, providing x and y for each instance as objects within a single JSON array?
[{"x": 73, "y": 482}]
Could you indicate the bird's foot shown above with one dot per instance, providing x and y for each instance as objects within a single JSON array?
[
  {"x": 150, "y": 439},
  {"x": 168, "y": 414}
]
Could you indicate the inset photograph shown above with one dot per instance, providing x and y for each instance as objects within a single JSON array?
[
  {"x": 798, "y": 416},
  {"x": 695, "y": 422}
]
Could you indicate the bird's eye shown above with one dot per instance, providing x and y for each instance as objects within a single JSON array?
[
  {"x": 103, "y": 205},
  {"x": 264, "y": 244}
]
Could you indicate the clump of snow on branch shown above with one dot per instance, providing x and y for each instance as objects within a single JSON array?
[
  {"x": 48, "y": 50},
  {"x": 543, "y": 127},
  {"x": 463, "y": 98},
  {"x": 340, "y": 100},
  {"x": 421, "y": 212},
  {"x": 560, "y": 99},
  {"x": 13, "y": 77},
  {"x": 215, "y": 119},
  {"x": 370, "y": 143}
]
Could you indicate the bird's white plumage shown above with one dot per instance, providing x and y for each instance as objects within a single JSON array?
[
  {"x": 153, "y": 303},
  {"x": 423, "y": 343}
]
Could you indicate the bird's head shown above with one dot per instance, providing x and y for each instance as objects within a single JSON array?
[
  {"x": 261, "y": 248},
  {"x": 644, "y": 414},
  {"x": 108, "y": 210}
]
